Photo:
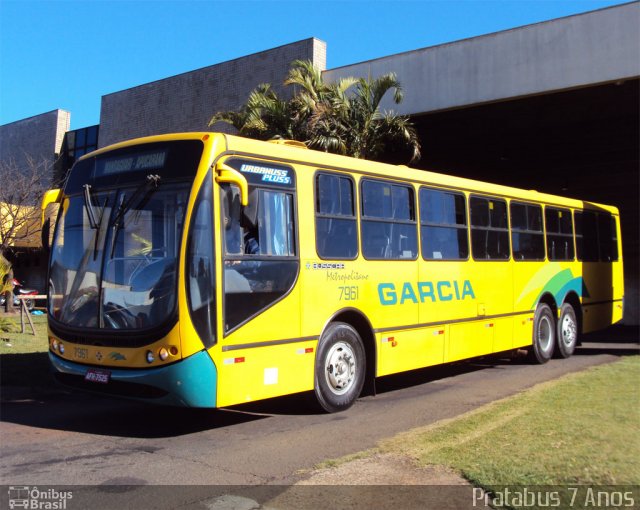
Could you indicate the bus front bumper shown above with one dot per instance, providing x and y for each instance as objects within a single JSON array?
[{"x": 190, "y": 382}]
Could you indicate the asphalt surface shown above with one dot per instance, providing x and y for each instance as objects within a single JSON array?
[{"x": 49, "y": 437}]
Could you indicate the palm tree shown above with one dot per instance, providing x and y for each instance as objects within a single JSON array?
[
  {"x": 322, "y": 108},
  {"x": 342, "y": 117},
  {"x": 264, "y": 116}
]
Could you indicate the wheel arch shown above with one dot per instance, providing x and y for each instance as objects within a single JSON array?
[
  {"x": 572, "y": 299},
  {"x": 358, "y": 321},
  {"x": 548, "y": 299}
]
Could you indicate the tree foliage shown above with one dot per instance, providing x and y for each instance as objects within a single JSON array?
[
  {"x": 344, "y": 117},
  {"x": 19, "y": 199},
  {"x": 20, "y": 193}
]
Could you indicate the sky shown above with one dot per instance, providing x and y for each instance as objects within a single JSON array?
[{"x": 67, "y": 54}]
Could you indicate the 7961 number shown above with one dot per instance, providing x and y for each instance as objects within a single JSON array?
[{"x": 349, "y": 293}]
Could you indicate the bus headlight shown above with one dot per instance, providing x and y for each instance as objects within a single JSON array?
[
  {"x": 61, "y": 348},
  {"x": 163, "y": 354},
  {"x": 54, "y": 345},
  {"x": 150, "y": 357}
]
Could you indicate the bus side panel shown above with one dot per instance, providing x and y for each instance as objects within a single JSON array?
[
  {"x": 491, "y": 296},
  {"x": 503, "y": 330},
  {"x": 469, "y": 340},
  {"x": 383, "y": 292},
  {"x": 529, "y": 280},
  {"x": 258, "y": 373},
  {"x": 618, "y": 279},
  {"x": 522, "y": 331},
  {"x": 282, "y": 365},
  {"x": 602, "y": 303},
  {"x": 408, "y": 350}
]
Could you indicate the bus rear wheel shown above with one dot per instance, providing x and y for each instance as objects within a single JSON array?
[
  {"x": 340, "y": 367},
  {"x": 544, "y": 335},
  {"x": 567, "y": 331}
]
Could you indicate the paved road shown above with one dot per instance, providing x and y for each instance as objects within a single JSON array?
[{"x": 59, "y": 438}]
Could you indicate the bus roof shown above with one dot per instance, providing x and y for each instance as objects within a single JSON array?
[
  {"x": 372, "y": 168},
  {"x": 295, "y": 153}
]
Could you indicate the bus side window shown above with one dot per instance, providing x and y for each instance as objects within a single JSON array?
[
  {"x": 231, "y": 219},
  {"x": 388, "y": 221},
  {"x": 527, "y": 236},
  {"x": 559, "y": 229},
  {"x": 607, "y": 237},
  {"x": 260, "y": 263},
  {"x": 586, "y": 236},
  {"x": 336, "y": 232},
  {"x": 614, "y": 240},
  {"x": 264, "y": 227},
  {"x": 443, "y": 230},
  {"x": 489, "y": 228}
]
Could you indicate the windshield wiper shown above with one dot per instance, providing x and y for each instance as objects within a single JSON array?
[
  {"x": 94, "y": 223},
  {"x": 90, "y": 208},
  {"x": 151, "y": 184}
]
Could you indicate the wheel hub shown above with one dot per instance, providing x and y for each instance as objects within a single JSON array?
[
  {"x": 340, "y": 368},
  {"x": 545, "y": 335},
  {"x": 569, "y": 330}
]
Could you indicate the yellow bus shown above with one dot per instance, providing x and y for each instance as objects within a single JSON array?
[{"x": 207, "y": 270}]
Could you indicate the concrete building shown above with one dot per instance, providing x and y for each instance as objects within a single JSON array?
[
  {"x": 33, "y": 141},
  {"x": 552, "y": 106},
  {"x": 38, "y": 138},
  {"x": 188, "y": 101}
]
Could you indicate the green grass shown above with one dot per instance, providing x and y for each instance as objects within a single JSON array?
[
  {"x": 23, "y": 342},
  {"x": 580, "y": 429},
  {"x": 23, "y": 356}
]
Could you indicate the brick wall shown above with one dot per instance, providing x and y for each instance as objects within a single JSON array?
[
  {"x": 39, "y": 137},
  {"x": 187, "y": 101}
]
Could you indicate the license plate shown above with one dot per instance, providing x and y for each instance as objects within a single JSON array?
[{"x": 97, "y": 376}]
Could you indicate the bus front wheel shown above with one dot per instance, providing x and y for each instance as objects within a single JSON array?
[
  {"x": 544, "y": 334},
  {"x": 567, "y": 331},
  {"x": 340, "y": 367}
]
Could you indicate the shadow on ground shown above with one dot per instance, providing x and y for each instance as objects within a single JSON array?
[{"x": 29, "y": 396}]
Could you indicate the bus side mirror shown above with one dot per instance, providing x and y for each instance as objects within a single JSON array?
[
  {"x": 51, "y": 197},
  {"x": 224, "y": 173}
]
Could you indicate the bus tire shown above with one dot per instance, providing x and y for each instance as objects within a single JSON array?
[
  {"x": 340, "y": 367},
  {"x": 567, "y": 331},
  {"x": 544, "y": 335}
]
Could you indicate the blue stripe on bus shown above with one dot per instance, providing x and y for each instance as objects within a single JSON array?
[{"x": 191, "y": 382}]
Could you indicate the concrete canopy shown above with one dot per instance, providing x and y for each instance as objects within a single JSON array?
[{"x": 552, "y": 106}]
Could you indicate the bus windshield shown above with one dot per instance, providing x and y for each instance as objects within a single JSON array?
[{"x": 115, "y": 253}]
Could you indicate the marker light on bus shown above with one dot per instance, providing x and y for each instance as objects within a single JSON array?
[
  {"x": 61, "y": 348},
  {"x": 54, "y": 345},
  {"x": 163, "y": 354},
  {"x": 150, "y": 357}
]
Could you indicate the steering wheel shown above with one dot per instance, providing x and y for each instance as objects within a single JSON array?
[
  {"x": 118, "y": 318},
  {"x": 151, "y": 258}
]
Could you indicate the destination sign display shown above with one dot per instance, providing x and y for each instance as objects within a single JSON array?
[{"x": 151, "y": 160}]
